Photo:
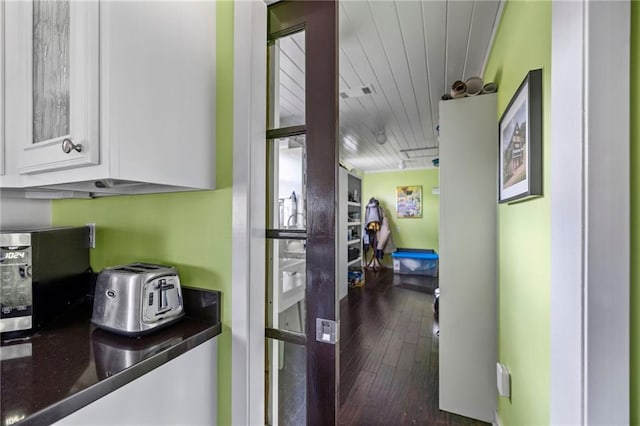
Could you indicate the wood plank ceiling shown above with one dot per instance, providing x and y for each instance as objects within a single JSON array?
[{"x": 407, "y": 53}]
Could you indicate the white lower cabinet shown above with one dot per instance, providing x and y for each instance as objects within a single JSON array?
[
  {"x": 181, "y": 392},
  {"x": 107, "y": 97}
]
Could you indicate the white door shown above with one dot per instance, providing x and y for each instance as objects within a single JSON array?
[{"x": 60, "y": 52}]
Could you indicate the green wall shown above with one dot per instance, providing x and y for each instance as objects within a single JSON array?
[
  {"x": 523, "y": 43},
  {"x": 407, "y": 233},
  {"x": 635, "y": 213},
  {"x": 190, "y": 230}
]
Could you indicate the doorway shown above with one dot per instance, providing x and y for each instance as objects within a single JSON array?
[{"x": 252, "y": 313}]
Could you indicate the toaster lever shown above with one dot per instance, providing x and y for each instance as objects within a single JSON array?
[{"x": 163, "y": 305}]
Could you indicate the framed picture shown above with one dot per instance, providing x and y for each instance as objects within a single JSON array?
[
  {"x": 520, "y": 137},
  {"x": 409, "y": 201}
]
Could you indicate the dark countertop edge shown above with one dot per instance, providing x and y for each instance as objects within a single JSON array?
[{"x": 91, "y": 394}]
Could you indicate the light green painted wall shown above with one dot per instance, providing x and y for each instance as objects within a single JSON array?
[
  {"x": 635, "y": 212},
  {"x": 523, "y": 43},
  {"x": 407, "y": 233},
  {"x": 189, "y": 230}
]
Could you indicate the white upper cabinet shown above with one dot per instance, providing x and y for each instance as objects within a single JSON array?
[
  {"x": 1, "y": 88},
  {"x": 58, "y": 45},
  {"x": 109, "y": 97}
]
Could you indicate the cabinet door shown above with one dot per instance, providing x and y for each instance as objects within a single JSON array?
[
  {"x": 164, "y": 396},
  {"x": 468, "y": 257},
  {"x": 61, "y": 51}
]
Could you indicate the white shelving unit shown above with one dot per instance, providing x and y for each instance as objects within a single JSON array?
[
  {"x": 355, "y": 261},
  {"x": 349, "y": 227}
]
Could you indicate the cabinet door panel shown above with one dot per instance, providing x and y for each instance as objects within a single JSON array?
[{"x": 61, "y": 54}]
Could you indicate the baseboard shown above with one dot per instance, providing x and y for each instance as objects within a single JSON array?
[{"x": 496, "y": 419}]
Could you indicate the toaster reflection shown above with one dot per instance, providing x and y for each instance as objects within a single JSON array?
[{"x": 114, "y": 353}]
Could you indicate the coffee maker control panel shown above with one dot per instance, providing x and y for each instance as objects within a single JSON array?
[{"x": 16, "y": 290}]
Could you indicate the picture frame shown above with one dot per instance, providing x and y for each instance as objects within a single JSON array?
[
  {"x": 409, "y": 201},
  {"x": 520, "y": 143}
]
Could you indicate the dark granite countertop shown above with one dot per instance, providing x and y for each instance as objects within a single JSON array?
[{"x": 70, "y": 364}]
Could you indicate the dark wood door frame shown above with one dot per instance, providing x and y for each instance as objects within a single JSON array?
[{"x": 320, "y": 21}]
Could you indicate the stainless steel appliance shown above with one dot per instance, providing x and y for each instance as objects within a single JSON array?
[
  {"x": 42, "y": 273},
  {"x": 137, "y": 298}
]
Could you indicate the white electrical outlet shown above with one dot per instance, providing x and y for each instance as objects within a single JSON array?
[
  {"x": 92, "y": 235},
  {"x": 504, "y": 379}
]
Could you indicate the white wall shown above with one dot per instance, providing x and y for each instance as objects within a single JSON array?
[{"x": 23, "y": 213}]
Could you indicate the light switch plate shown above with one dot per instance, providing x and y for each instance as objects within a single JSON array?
[{"x": 327, "y": 331}]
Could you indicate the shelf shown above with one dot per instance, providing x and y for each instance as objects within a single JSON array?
[
  {"x": 353, "y": 223},
  {"x": 353, "y": 204},
  {"x": 298, "y": 254},
  {"x": 286, "y": 264},
  {"x": 352, "y": 242},
  {"x": 355, "y": 261}
]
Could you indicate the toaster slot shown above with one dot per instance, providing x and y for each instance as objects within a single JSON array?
[
  {"x": 162, "y": 299},
  {"x": 125, "y": 269},
  {"x": 147, "y": 267}
]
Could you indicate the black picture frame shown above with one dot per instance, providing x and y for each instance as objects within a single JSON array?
[{"x": 520, "y": 143}]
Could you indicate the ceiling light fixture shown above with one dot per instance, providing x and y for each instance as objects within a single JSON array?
[
  {"x": 401, "y": 165},
  {"x": 418, "y": 149},
  {"x": 381, "y": 137},
  {"x": 350, "y": 143}
]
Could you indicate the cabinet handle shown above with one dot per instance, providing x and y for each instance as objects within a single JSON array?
[{"x": 68, "y": 146}]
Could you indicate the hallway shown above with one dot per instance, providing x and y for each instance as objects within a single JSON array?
[{"x": 389, "y": 354}]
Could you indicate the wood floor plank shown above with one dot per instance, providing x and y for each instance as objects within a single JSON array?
[
  {"x": 377, "y": 352},
  {"x": 373, "y": 409},
  {"x": 413, "y": 331},
  {"x": 357, "y": 398},
  {"x": 392, "y": 353},
  {"x": 397, "y": 394},
  {"x": 359, "y": 342}
]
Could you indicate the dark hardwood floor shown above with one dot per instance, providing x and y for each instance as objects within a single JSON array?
[{"x": 389, "y": 354}]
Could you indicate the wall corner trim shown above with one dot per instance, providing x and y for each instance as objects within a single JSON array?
[
  {"x": 248, "y": 201},
  {"x": 590, "y": 214}
]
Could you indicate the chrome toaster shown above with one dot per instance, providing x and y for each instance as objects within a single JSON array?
[{"x": 137, "y": 298}]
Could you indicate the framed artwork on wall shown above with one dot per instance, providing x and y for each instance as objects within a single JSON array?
[
  {"x": 520, "y": 138},
  {"x": 409, "y": 201}
]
